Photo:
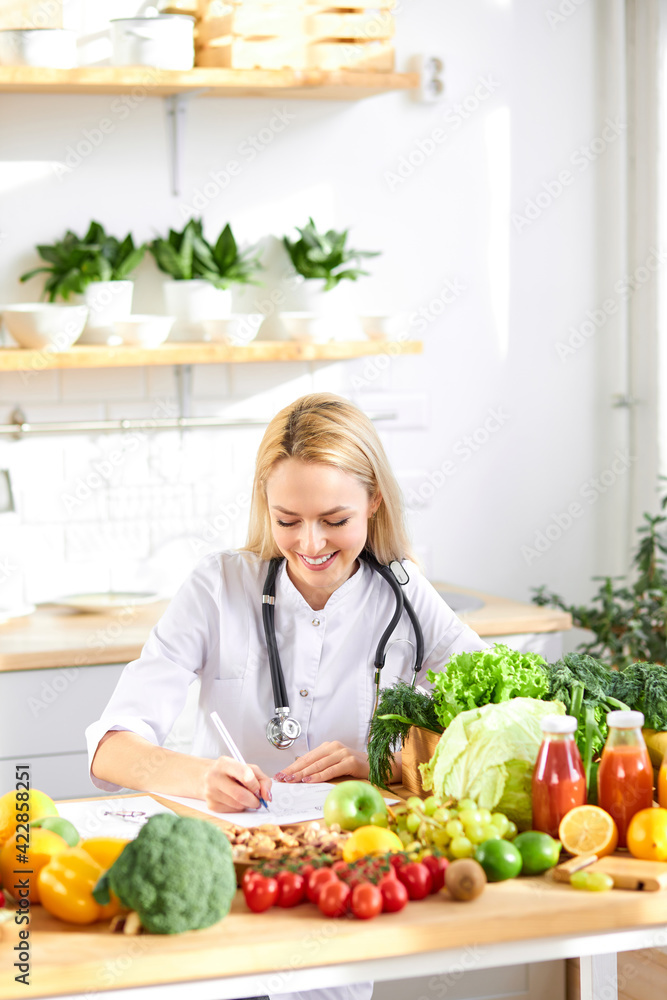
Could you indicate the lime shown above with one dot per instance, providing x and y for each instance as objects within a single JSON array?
[
  {"x": 591, "y": 881},
  {"x": 500, "y": 859},
  {"x": 61, "y": 826},
  {"x": 538, "y": 850}
]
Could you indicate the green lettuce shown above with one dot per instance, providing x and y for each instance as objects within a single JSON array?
[
  {"x": 484, "y": 677},
  {"x": 488, "y": 754}
]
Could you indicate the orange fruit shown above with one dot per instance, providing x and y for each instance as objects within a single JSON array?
[
  {"x": 43, "y": 845},
  {"x": 370, "y": 840},
  {"x": 647, "y": 835},
  {"x": 588, "y": 830},
  {"x": 37, "y": 805}
]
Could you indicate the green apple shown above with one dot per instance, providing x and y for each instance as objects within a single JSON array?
[{"x": 352, "y": 803}]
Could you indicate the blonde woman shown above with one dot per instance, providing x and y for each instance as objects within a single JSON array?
[{"x": 325, "y": 521}]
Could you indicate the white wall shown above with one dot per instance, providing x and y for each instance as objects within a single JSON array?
[{"x": 529, "y": 84}]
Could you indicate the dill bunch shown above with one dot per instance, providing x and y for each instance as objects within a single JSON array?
[{"x": 399, "y": 707}]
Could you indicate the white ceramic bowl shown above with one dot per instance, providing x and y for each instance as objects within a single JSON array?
[
  {"x": 386, "y": 327},
  {"x": 144, "y": 330},
  {"x": 306, "y": 327},
  {"x": 49, "y": 47},
  {"x": 237, "y": 330},
  {"x": 44, "y": 324}
]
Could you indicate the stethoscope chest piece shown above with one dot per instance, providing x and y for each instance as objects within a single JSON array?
[{"x": 282, "y": 730}]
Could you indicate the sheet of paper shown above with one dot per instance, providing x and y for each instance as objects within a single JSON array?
[
  {"x": 290, "y": 804},
  {"x": 103, "y": 817}
]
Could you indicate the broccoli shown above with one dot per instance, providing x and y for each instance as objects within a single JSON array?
[{"x": 178, "y": 875}]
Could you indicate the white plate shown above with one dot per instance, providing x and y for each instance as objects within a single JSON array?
[{"x": 106, "y": 601}]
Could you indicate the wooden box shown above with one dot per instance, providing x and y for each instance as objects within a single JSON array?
[
  {"x": 16, "y": 14},
  {"x": 418, "y": 748}
]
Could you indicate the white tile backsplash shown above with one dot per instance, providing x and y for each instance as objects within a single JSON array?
[
  {"x": 138, "y": 509},
  {"x": 20, "y": 388}
]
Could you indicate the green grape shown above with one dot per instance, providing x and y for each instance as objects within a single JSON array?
[
  {"x": 430, "y": 805},
  {"x": 484, "y": 816},
  {"x": 425, "y": 833},
  {"x": 413, "y": 822},
  {"x": 475, "y": 832},
  {"x": 379, "y": 819},
  {"x": 405, "y": 837},
  {"x": 399, "y": 808},
  {"x": 441, "y": 815},
  {"x": 440, "y": 839},
  {"x": 461, "y": 847},
  {"x": 501, "y": 823},
  {"x": 415, "y": 803},
  {"x": 454, "y": 828},
  {"x": 470, "y": 816},
  {"x": 467, "y": 804},
  {"x": 490, "y": 832},
  {"x": 401, "y": 822},
  {"x": 511, "y": 831},
  {"x": 591, "y": 881}
]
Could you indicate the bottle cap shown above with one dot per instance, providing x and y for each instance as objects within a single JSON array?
[
  {"x": 625, "y": 720},
  {"x": 558, "y": 724}
]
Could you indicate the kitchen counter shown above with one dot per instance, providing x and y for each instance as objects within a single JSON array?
[
  {"x": 55, "y": 636},
  {"x": 523, "y": 920}
]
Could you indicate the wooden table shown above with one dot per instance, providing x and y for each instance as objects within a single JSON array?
[{"x": 246, "y": 954}]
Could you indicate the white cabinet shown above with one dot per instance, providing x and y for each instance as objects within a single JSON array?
[{"x": 538, "y": 981}]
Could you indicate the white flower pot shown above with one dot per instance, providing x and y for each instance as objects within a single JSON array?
[
  {"x": 335, "y": 310},
  {"x": 192, "y": 302},
  {"x": 108, "y": 302}
]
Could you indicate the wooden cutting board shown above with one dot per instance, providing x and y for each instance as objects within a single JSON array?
[{"x": 627, "y": 872}]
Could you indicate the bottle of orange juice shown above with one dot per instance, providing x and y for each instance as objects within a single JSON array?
[
  {"x": 662, "y": 784},
  {"x": 625, "y": 775}
]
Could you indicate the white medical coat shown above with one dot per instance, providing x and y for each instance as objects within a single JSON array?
[{"x": 213, "y": 629}]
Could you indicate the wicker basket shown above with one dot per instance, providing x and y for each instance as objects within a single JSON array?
[{"x": 418, "y": 748}]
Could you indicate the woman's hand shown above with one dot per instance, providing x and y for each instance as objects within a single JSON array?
[
  {"x": 230, "y": 786},
  {"x": 327, "y": 761}
]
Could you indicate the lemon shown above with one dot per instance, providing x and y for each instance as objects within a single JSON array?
[
  {"x": 43, "y": 845},
  {"x": 370, "y": 840},
  {"x": 37, "y": 804},
  {"x": 588, "y": 830}
]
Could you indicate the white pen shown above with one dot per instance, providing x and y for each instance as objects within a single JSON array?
[{"x": 231, "y": 745}]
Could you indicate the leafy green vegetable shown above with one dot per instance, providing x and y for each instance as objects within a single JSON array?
[
  {"x": 643, "y": 687},
  {"x": 324, "y": 255},
  {"x": 484, "y": 677},
  {"x": 188, "y": 255},
  {"x": 585, "y": 685},
  {"x": 178, "y": 874},
  {"x": 488, "y": 754},
  {"x": 399, "y": 707},
  {"x": 75, "y": 262}
]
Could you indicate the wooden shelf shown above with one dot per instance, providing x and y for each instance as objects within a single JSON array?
[
  {"x": 342, "y": 85},
  {"x": 22, "y": 360}
]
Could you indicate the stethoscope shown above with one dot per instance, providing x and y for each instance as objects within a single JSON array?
[{"x": 282, "y": 730}]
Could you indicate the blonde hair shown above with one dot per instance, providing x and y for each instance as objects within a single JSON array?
[{"x": 322, "y": 427}]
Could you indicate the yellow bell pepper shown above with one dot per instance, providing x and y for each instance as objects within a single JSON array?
[
  {"x": 104, "y": 850},
  {"x": 66, "y": 886}
]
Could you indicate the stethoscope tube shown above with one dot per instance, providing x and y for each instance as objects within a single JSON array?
[{"x": 282, "y": 730}]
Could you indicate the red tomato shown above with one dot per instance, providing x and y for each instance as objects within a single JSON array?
[
  {"x": 394, "y": 894},
  {"x": 437, "y": 868},
  {"x": 316, "y": 881},
  {"x": 334, "y": 898},
  {"x": 416, "y": 878},
  {"x": 260, "y": 893},
  {"x": 396, "y": 860},
  {"x": 366, "y": 901},
  {"x": 339, "y": 866},
  {"x": 291, "y": 889},
  {"x": 306, "y": 870}
]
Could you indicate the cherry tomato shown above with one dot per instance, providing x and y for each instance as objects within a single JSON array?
[
  {"x": 291, "y": 888},
  {"x": 306, "y": 870},
  {"x": 334, "y": 898},
  {"x": 316, "y": 881},
  {"x": 396, "y": 860},
  {"x": 2, "y": 899},
  {"x": 260, "y": 893},
  {"x": 416, "y": 878},
  {"x": 437, "y": 868},
  {"x": 339, "y": 866},
  {"x": 366, "y": 901},
  {"x": 394, "y": 894}
]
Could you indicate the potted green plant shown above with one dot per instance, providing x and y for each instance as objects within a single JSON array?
[
  {"x": 202, "y": 276},
  {"x": 627, "y": 619},
  {"x": 96, "y": 267},
  {"x": 325, "y": 267}
]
